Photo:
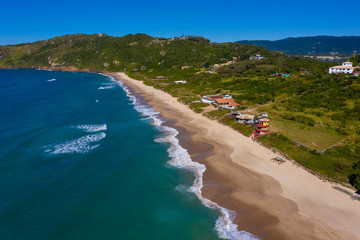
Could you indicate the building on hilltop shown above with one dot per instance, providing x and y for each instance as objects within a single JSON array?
[
  {"x": 346, "y": 67},
  {"x": 256, "y": 57}
]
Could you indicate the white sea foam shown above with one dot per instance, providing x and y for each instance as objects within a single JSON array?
[
  {"x": 91, "y": 128},
  {"x": 51, "y": 80},
  {"x": 180, "y": 158},
  {"x": 80, "y": 145},
  {"x": 106, "y": 87}
]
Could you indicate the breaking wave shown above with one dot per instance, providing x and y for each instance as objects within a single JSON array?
[
  {"x": 108, "y": 85},
  {"x": 91, "y": 128},
  {"x": 80, "y": 145}
]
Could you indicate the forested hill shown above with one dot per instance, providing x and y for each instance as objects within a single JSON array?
[
  {"x": 310, "y": 45},
  {"x": 140, "y": 51}
]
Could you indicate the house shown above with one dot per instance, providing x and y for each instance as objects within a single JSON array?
[
  {"x": 181, "y": 81},
  {"x": 231, "y": 106},
  {"x": 346, "y": 67},
  {"x": 223, "y": 102},
  {"x": 226, "y": 103},
  {"x": 263, "y": 126},
  {"x": 355, "y": 73},
  {"x": 245, "y": 118},
  {"x": 256, "y": 57}
]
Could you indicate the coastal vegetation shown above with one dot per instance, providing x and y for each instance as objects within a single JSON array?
[{"x": 307, "y": 105}]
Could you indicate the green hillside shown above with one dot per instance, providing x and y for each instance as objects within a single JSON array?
[
  {"x": 138, "y": 51},
  {"x": 311, "y": 45}
]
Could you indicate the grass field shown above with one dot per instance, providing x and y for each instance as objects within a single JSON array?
[
  {"x": 319, "y": 139},
  {"x": 331, "y": 164}
]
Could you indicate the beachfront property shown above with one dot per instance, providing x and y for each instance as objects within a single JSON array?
[
  {"x": 263, "y": 126},
  {"x": 261, "y": 122},
  {"x": 221, "y": 101},
  {"x": 210, "y": 98},
  {"x": 226, "y": 103},
  {"x": 346, "y": 67},
  {"x": 245, "y": 118},
  {"x": 256, "y": 57}
]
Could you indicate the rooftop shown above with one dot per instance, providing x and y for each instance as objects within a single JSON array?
[
  {"x": 245, "y": 117},
  {"x": 343, "y": 67},
  {"x": 225, "y": 100},
  {"x": 234, "y": 104}
]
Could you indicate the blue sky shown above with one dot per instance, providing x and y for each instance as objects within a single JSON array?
[{"x": 220, "y": 21}]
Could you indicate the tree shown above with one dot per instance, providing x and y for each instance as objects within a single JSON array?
[{"x": 354, "y": 178}]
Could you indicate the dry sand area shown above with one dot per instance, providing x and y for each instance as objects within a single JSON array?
[{"x": 272, "y": 201}]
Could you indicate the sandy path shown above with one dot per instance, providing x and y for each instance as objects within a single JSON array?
[{"x": 272, "y": 201}]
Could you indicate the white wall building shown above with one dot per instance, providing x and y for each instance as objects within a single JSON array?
[
  {"x": 346, "y": 67},
  {"x": 256, "y": 57}
]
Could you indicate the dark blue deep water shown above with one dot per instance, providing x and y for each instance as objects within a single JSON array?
[{"x": 78, "y": 161}]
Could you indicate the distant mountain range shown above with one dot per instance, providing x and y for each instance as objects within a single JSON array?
[{"x": 310, "y": 45}]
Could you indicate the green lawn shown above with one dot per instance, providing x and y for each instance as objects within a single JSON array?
[{"x": 313, "y": 137}]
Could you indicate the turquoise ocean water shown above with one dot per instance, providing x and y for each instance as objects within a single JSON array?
[{"x": 81, "y": 158}]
